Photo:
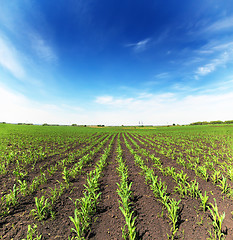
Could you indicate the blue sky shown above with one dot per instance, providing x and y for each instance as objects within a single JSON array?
[{"x": 116, "y": 62}]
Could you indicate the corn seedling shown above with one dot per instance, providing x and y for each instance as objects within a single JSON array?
[
  {"x": 23, "y": 187},
  {"x": 204, "y": 200},
  {"x": 216, "y": 176},
  {"x": 173, "y": 213},
  {"x": 54, "y": 194},
  {"x": 193, "y": 189},
  {"x": 223, "y": 184},
  {"x": 217, "y": 220},
  {"x": 65, "y": 176},
  {"x": 76, "y": 221},
  {"x": 52, "y": 169},
  {"x": 32, "y": 231},
  {"x": 202, "y": 172},
  {"x": 42, "y": 208},
  {"x": 130, "y": 223},
  {"x": 182, "y": 189}
]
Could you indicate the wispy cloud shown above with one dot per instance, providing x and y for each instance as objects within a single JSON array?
[
  {"x": 19, "y": 108},
  {"x": 16, "y": 19},
  {"x": 167, "y": 108},
  {"x": 221, "y": 24},
  {"x": 157, "y": 79},
  {"x": 111, "y": 101},
  {"x": 9, "y": 58},
  {"x": 143, "y": 99},
  {"x": 42, "y": 48},
  {"x": 214, "y": 63},
  {"x": 221, "y": 54},
  {"x": 154, "y": 109},
  {"x": 162, "y": 75},
  {"x": 206, "y": 69},
  {"x": 139, "y": 46}
]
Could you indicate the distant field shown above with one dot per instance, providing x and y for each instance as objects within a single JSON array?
[{"x": 65, "y": 182}]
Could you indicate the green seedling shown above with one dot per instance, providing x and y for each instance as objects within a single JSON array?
[
  {"x": 65, "y": 176},
  {"x": 204, "y": 200},
  {"x": 130, "y": 223},
  {"x": 223, "y": 184},
  {"x": 32, "y": 231},
  {"x": 217, "y": 220},
  {"x": 77, "y": 224},
  {"x": 11, "y": 198},
  {"x": 202, "y": 171},
  {"x": 193, "y": 189},
  {"x": 182, "y": 177},
  {"x": 42, "y": 208},
  {"x": 23, "y": 187},
  {"x": 216, "y": 176},
  {"x": 182, "y": 189},
  {"x": 173, "y": 213}
]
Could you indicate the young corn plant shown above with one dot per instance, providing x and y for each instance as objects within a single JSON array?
[
  {"x": 23, "y": 187},
  {"x": 92, "y": 187},
  {"x": 130, "y": 223},
  {"x": 14, "y": 195},
  {"x": 8, "y": 200},
  {"x": 182, "y": 177},
  {"x": 216, "y": 176},
  {"x": 217, "y": 220},
  {"x": 173, "y": 213},
  {"x": 204, "y": 201},
  {"x": 43, "y": 178},
  {"x": 163, "y": 196},
  {"x": 124, "y": 191},
  {"x": 52, "y": 169},
  {"x": 42, "y": 208},
  {"x": 32, "y": 231},
  {"x": 193, "y": 189},
  {"x": 182, "y": 189},
  {"x": 202, "y": 172},
  {"x": 76, "y": 221},
  {"x": 84, "y": 208},
  {"x": 170, "y": 171},
  {"x": 65, "y": 176},
  {"x": 55, "y": 193},
  {"x": 223, "y": 185},
  {"x": 230, "y": 173}
]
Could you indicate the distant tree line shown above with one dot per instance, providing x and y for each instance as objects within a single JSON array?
[{"x": 212, "y": 122}]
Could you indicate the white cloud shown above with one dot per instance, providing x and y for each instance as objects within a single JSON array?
[
  {"x": 139, "y": 46},
  {"x": 208, "y": 68},
  {"x": 15, "y": 18},
  {"x": 221, "y": 60},
  {"x": 152, "y": 109},
  {"x": 16, "y": 108},
  {"x": 167, "y": 109},
  {"x": 221, "y": 24},
  {"x": 9, "y": 58},
  {"x": 111, "y": 101},
  {"x": 139, "y": 103},
  {"x": 42, "y": 48},
  {"x": 162, "y": 75}
]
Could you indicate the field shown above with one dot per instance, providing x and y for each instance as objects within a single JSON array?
[{"x": 69, "y": 182}]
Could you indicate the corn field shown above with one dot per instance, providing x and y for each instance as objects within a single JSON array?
[{"x": 69, "y": 182}]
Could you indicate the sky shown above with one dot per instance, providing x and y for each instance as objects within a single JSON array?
[{"x": 116, "y": 62}]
